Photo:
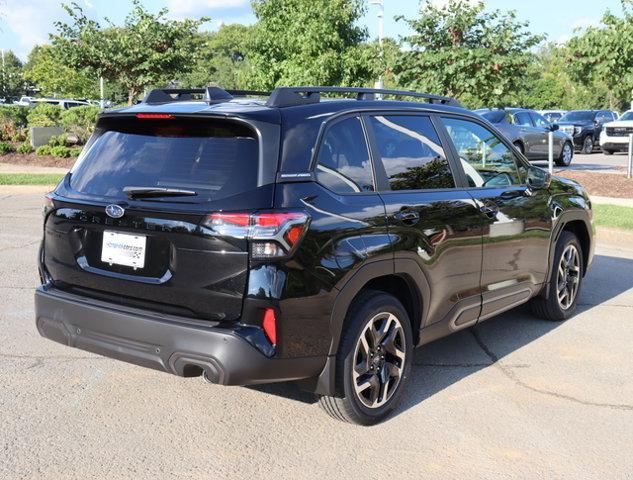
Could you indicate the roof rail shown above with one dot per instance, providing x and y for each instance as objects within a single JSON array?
[
  {"x": 248, "y": 93},
  {"x": 292, "y": 96},
  {"x": 167, "y": 95}
]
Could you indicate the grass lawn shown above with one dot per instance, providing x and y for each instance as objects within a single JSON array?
[
  {"x": 30, "y": 178},
  {"x": 613, "y": 216}
]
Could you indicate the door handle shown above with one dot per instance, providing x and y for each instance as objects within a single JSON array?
[{"x": 408, "y": 217}]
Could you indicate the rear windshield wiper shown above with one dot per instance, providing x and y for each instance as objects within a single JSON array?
[{"x": 151, "y": 192}]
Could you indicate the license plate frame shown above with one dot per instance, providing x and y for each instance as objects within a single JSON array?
[{"x": 124, "y": 249}]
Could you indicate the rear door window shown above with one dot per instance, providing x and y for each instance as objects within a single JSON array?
[
  {"x": 343, "y": 164},
  {"x": 411, "y": 153},
  {"x": 523, "y": 119},
  {"x": 215, "y": 158}
]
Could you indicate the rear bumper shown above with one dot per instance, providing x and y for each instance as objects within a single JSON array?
[{"x": 163, "y": 343}]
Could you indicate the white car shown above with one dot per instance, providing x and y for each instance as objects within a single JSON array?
[{"x": 615, "y": 135}]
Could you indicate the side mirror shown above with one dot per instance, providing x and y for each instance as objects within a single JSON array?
[
  {"x": 553, "y": 127},
  {"x": 537, "y": 178}
]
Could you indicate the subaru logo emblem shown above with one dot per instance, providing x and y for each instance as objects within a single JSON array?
[{"x": 114, "y": 211}]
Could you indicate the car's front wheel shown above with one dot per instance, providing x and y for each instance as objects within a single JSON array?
[
  {"x": 587, "y": 145},
  {"x": 566, "y": 155},
  {"x": 373, "y": 361},
  {"x": 565, "y": 280}
]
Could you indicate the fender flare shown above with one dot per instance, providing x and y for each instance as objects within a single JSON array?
[{"x": 405, "y": 267}]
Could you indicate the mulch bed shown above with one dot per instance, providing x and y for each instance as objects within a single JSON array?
[
  {"x": 601, "y": 184},
  {"x": 37, "y": 160}
]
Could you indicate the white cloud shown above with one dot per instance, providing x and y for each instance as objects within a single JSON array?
[{"x": 181, "y": 8}]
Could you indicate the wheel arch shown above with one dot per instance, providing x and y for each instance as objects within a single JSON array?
[{"x": 402, "y": 278}]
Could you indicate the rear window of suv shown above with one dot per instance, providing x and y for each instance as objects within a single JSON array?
[{"x": 215, "y": 158}]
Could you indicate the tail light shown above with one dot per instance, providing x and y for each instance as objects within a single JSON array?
[
  {"x": 269, "y": 325},
  {"x": 48, "y": 205},
  {"x": 271, "y": 234}
]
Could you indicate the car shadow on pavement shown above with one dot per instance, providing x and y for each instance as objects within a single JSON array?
[{"x": 442, "y": 363}]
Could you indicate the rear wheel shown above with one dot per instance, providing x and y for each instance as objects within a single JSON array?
[
  {"x": 587, "y": 145},
  {"x": 564, "y": 282},
  {"x": 373, "y": 361},
  {"x": 566, "y": 155}
]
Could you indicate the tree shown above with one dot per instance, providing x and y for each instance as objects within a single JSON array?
[
  {"x": 149, "y": 49},
  {"x": 11, "y": 80},
  {"x": 46, "y": 70},
  {"x": 303, "y": 41},
  {"x": 463, "y": 51},
  {"x": 222, "y": 58},
  {"x": 605, "y": 54}
]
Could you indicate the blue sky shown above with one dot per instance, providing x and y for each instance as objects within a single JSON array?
[{"x": 24, "y": 23}]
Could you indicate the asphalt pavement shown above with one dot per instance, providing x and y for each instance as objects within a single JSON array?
[
  {"x": 596, "y": 162},
  {"x": 512, "y": 398}
]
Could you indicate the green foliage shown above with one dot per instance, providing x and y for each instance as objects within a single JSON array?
[
  {"x": 605, "y": 55},
  {"x": 11, "y": 80},
  {"x": 302, "y": 42},
  {"x": 75, "y": 151},
  {"x": 80, "y": 121},
  {"x": 44, "y": 115},
  {"x": 6, "y": 148},
  {"x": 222, "y": 58},
  {"x": 61, "y": 151},
  {"x": 58, "y": 140},
  {"x": 45, "y": 68},
  {"x": 44, "y": 150},
  {"x": 147, "y": 50},
  {"x": 14, "y": 113},
  {"x": 463, "y": 51},
  {"x": 613, "y": 216},
  {"x": 25, "y": 148}
]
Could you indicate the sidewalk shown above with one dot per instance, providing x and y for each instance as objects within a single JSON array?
[
  {"x": 622, "y": 202},
  {"x": 12, "y": 168}
]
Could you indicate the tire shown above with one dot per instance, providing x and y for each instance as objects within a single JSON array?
[
  {"x": 608, "y": 152},
  {"x": 587, "y": 145},
  {"x": 566, "y": 155},
  {"x": 551, "y": 307},
  {"x": 519, "y": 147},
  {"x": 355, "y": 354}
]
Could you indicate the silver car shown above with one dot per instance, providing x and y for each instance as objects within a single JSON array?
[{"x": 528, "y": 131}]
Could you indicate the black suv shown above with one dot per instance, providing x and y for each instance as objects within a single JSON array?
[
  {"x": 295, "y": 238},
  {"x": 585, "y": 126}
]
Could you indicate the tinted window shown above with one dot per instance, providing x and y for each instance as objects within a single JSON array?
[
  {"x": 217, "y": 159},
  {"x": 539, "y": 121},
  {"x": 578, "y": 116},
  {"x": 627, "y": 116},
  {"x": 343, "y": 163},
  {"x": 495, "y": 116},
  {"x": 411, "y": 153},
  {"x": 487, "y": 162},
  {"x": 522, "y": 118}
]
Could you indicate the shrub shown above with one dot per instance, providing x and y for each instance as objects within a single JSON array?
[
  {"x": 14, "y": 113},
  {"x": 58, "y": 140},
  {"x": 6, "y": 148},
  {"x": 80, "y": 121},
  {"x": 43, "y": 150},
  {"x": 8, "y": 129},
  {"x": 75, "y": 151},
  {"x": 20, "y": 136},
  {"x": 25, "y": 148},
  {"x": 44, "y": 115},
  {"x": 61, "y": 151}
]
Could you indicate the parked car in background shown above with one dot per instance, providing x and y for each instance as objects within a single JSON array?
[
  {"x": 64, "y": 103},
  {"x": 552, "y": 116},
  {"x": 615, "y": 135},
  {"x": 585, "y": 127},
  {"x": 528, "y": 131}
]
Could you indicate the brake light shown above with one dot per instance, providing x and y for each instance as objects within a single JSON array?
[
  {"x": 48, "y": 205},
  {"x": 273, "y": 234},
  {"x": 270, "y": 325},
  {"x": 154, "y": 116}
]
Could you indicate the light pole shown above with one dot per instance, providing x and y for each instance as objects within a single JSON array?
[{"x": 381, "y": 34}]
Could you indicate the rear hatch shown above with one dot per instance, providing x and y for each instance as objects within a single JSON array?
[{"x": 130, "y": 221}]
